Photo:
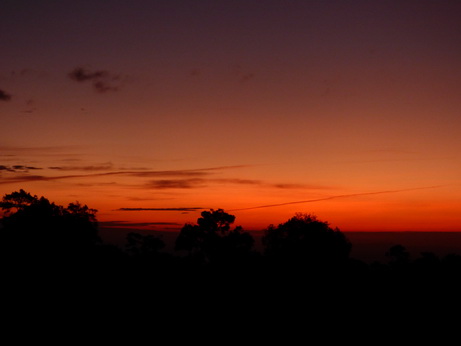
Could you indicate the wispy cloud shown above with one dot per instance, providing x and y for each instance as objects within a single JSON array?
[
  {"x": 237, "y": 181},
  {"x": 80, "y": 74},
  {"x": 242, "y": 75},
  {"x": 103, "y": 87},
  {"x": 6, "y": 168},
  {"x": 195, "y": 72},
  {"x": 125, "y": 224},
  {"x": 102, "y": 167},
  {"x": 179, "y": 173},
  {"x": 261, "y": 183},
  {"x": 17, "y": 168},
  {"x": 4, "y": 96},
  {"x": 176, "y": 183},
  {"x": 338, "y": 196},
  {"x": 30, "y": 106},
  {"x": 300, "y": 186},
  {"x": 170, "y": 173},
  {"x": 100, "y": 184},
  {"x": 162, "y": 209},
  {"x": 203, "y": 182},
  {"x": 22, "y": 179},
  {"x": 144, "y": 199},
  {"x": 169, "y": 179},
  {"x": 247, "y": 77},
  {"x": 397, "y": 151},
  {"x": 102, "y": 80},
  {"x": 38, "y": 150}
]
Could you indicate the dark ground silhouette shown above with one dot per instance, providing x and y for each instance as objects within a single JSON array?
[{"x": 304, "y": 262}]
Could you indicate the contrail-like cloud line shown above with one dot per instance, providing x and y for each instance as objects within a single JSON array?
[{"x": 338, "y": 196}]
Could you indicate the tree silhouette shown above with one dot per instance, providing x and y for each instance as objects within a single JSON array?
[
  {"x": 302, "y": 255},
  {"x": 212, "y": 240},
  {"x": 143, "y": 246},
  {"x": 17, "y": 200},
  {"x": 398, "y": 256},
  {"x": 306, "y": 241},
  {"x": 35, "y": 229}
]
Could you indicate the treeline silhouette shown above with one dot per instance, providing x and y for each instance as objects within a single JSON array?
[{"x": 41, "y": 241}]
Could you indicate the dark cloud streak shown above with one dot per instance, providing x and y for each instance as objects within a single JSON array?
[
  {"x": 6, "y": 168},
  {"x": 39, "y": 150},
  {"x": 102, "y": 80},
  {"x": 161, "y": 209},
  {"x": 79, "y": 74},
  {"x": 247, "y": 77},
  {"x": 136, "y": 224},
  {"x": 238, "y": 181},
  {"x": 202, "y": 182},
  {"x": 102, "y": 87},
  {"x": 17, "y": 168},
  {"x": 189, "y": 172},
  {"x": 4, "y": 96},
  {"x": 192, "y": 178},
  {"x": 102, "y": 167},
  {"x": 176, "y": 184}
]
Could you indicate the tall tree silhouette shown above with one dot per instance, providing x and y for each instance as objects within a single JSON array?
[{"x": 212, "y": 240}]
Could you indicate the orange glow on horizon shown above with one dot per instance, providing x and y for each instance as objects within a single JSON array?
[{"x": 351, "y": 109}]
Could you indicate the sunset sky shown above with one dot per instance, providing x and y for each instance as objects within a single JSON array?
[{"x": 152, "y": 111}]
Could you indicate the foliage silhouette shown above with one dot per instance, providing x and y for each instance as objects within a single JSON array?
[
  {"x": 398, "y": 254},
  {"x": 38, "y": 235},
  {"x": 17, "y": 200},
  {"x": 306, "y": 241},
  {"x": 213, "y": 241},
  {"x": 145, "y": 246},
  {"x": 34, "y": 229}
]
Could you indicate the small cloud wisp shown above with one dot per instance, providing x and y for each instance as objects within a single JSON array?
[
  {"x": 4, "y": 96},
  {"x": 103, "y": 81}
]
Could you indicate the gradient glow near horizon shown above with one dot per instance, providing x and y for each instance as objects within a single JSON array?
[{"x": 153, "y": 111}]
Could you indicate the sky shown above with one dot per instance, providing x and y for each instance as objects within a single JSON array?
[{"x": 154, "y": 111}]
